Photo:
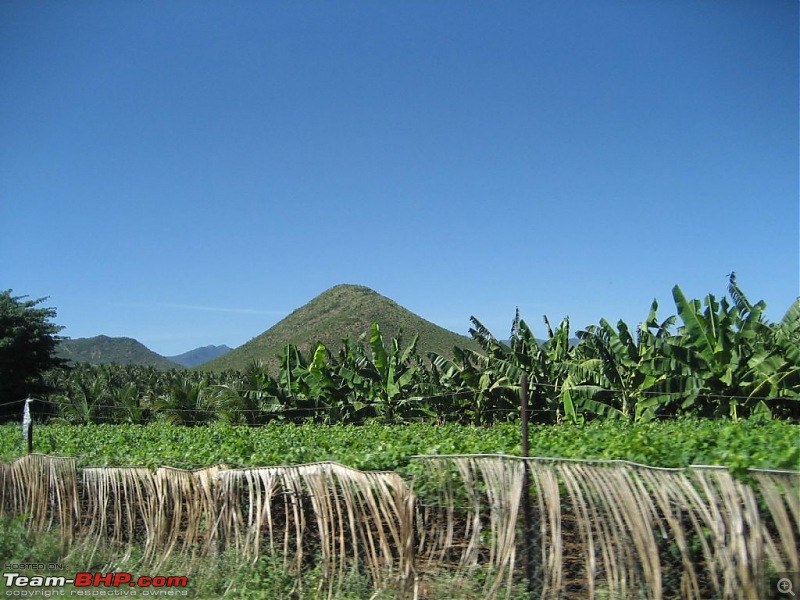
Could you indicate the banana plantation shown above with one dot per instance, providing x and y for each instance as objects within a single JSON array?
[
  {"x": 714, "y": 358},
  {"x": 665, "y": 464}
]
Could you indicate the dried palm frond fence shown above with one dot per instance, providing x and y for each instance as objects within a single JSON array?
[
  {"x": 337, "y": 519},
  {"x": 608, "y": 529}
]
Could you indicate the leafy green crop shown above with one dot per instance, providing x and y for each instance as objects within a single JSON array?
[{"x": 675, "y": 443}]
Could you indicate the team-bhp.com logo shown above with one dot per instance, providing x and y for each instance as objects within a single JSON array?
[{"x": 94, "y": 584}]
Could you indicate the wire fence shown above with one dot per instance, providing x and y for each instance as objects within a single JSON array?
[{"x": 556, "y": 389}]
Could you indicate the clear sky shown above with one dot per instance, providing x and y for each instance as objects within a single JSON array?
[{"x": 189, "y": 172}]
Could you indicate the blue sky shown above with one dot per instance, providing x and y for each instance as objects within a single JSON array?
[{"x": 188, "y": 173}]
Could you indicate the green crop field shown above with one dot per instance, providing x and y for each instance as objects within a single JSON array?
[
  {"x": 202, "y": 522},
  {"x": 674, "y": 443}
]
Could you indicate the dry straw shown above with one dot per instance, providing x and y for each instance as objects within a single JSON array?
[
  {"x": 605, "y": 528},
  {"x": 43, "y": 488},
  {"x": 637, "y": 531},
  {"x": 340, "y": 518}
]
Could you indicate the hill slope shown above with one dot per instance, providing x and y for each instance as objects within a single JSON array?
[
  {"x": 342, "y": 311},
  {"x": 103, "y": 350},
  {"x": 198, "y": 356}
]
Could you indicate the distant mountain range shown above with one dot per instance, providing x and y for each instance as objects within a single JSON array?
[
  {"x": 198, "y": 356},
  {"x": 103, "y": 350},
  {"x": 344, "y": 311}
]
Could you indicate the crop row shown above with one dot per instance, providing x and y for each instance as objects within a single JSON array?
[{"x": 675, "y": 443}]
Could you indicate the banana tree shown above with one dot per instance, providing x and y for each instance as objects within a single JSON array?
[
  {"x": 547, "y": 364},
  {"x": 494, "y": 374},
  {"x": 460, "y": 388},
  {"x": 608, "y": 374},
  {"x": 389, "y": 379},
  {"x": 611, "y": 369},
  {"x": 355, "y": 403},
  {"x": 307, "y": 383},
  {"x": 773, "y": 370},
  {"x": 707, "y": 367},
  {"x": 556, "y": 365}
]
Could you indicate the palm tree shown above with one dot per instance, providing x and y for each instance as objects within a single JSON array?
[
  {"x": 251, "y": 397},
  {"x": 187, "y": 402},
  {"x": 85, "y": 396}
]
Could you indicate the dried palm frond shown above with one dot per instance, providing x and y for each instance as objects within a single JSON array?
[
  {"x": 45, "y": 489},
  {"x": 780, "y": 492},
  {"x": 672, "y": 493},
  {"x": 7, "y": 491},
  {"x": 486, "y": 486},
  {"x": 349, "y": 518},
  {"x": 121, "y": 507},
  {"x": 545, "y": 479},
  {"x": 186, "y": 510},
  {"x": 632, "y": 524},
  {"x": 629, "y": 528}
]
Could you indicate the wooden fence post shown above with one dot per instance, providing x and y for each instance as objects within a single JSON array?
[
  {"x": 527, "y": 517},
  {"x": 27, "y": 424}
]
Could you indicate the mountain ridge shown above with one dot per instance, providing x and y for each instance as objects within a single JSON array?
[
  {"x": 343, "y": 311},
  {"x": 103, "y": 350},
  {"x": 198, "y": 356}
]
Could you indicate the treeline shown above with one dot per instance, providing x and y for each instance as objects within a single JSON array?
[{"x": 715, "y": 358}]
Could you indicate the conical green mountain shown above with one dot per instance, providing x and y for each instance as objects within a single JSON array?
[{"x": 344, "y": 311}]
